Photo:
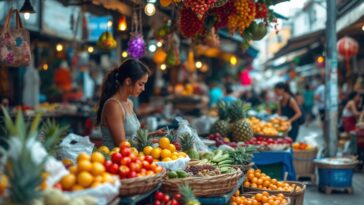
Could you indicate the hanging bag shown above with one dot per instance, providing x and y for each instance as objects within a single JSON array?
[{"x": 14, "y": 43}]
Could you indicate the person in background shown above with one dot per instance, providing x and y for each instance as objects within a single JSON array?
[
  {"x": 351, "y": 112},
  {"x": 215, "y": 94},
  {"x": 115, "y": 113},
  {"x": 289, "y": 108},
  {"x": 308, "y": 97},
  {"x": 319, "y": 97},
  {"x": 229, "y": 94}
]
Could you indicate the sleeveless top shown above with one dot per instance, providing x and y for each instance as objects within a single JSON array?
[
  {"x": 287, "y": 110},
  {"x": 131, "y": 126}
]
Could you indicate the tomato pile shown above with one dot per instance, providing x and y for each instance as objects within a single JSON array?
[
  {"x": 128, "y": 164},
  {"x": 161, "y": 198},
  {"x": 263, "y": 141}
]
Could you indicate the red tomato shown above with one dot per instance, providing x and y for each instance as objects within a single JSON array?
[
  {"x": 125, "y": 161},
  {"x": 146, "y": 165},
  {"x": 157, "y": 169},
  {"x": 124, "y": 145},
  {"x": 166, "y": 198},
  {"x": 159, "y": 196},
  {"x": 133, "y": 157},
  {"x": 149, "y": 159},
  {"x": 178, "y": 197},
  {"x": 174, "y": 202},
  {"x": 134, "y": 167},
  {"x": 143, "y": 171},
  {"x": 125, "y": 151},
  {"x": 124, "y": 171},
  {"x": 132, "y": 174},
  {"x": 114, "y": 169},
  {"x": 107, "y": 165},
  {"x": 157, "y": 202},
  {"x": 116, "y": 157}
]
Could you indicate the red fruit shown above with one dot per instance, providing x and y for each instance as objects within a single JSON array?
[
  {"x": 261, "y": 11},
  {"x": 133, "y": 157},
  {"x": 134, "y": 167},
  {"x": 178, "y": 146},
  {"x": 114, "y": 169},
  {"x": 190, "y": 25},
  {"x": 142, "y": 158},
  {"x": 107, "y": 165},
  {"x": 125, "y": 151},
  {"x": 116, "y": 158},
  {"x": 157, "y": 202},
  {"x": 159, "y": 196},
  {"x": 178, "y": 197},
  {"x": 132, "y": 174},
  {"x": 174, "y": 202},
  {"x": 124, "y": 145},
  {"x": 149, "y": 159},
  {"x": 124, "y": 171},
  {"x": 125, "y": 161},
  {"x": 166, "y": 198},
  {"x": 146, "y": 165}
]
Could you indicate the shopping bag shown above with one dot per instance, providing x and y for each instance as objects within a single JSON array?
[
  {"x": 73, "y": 145},
  {"x": 14, "y": 43}
]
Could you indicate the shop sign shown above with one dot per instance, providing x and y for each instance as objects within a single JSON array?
[
  {"x": 60, "y": 21},
  {"x": 96, "y": 26}
]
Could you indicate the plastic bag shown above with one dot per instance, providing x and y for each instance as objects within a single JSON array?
[
  {"x": 184, "y": 127},
  {"x": 179, "y": 164},
  {"x": 73, "y": 145},
  {"x": 202, "y": 125},
  {"x": 104, "y": 193}
]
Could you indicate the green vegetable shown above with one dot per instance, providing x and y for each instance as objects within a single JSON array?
[
  {"x": 172, "y": 174},
  {"x": 227, "y": 161},
  {"x": 221, "y": 158},
  {"x": 182, "y": 174}
]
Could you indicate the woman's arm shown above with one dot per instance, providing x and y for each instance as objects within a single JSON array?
[
  {"x": 352, "y": 108},
  {"x": 296, "y": 109},
  {"x": 279, "y": 108},
  {"x": 114, "y": 117}
]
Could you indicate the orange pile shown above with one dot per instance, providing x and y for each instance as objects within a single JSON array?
[
  {"x": 259, "y": 199},
  {"x": 166, "y": 151},
  {"x": 88, "y": 173},
  {"x": 257, "y": 179}
]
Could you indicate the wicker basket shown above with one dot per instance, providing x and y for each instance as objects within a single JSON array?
[
  {"x": 295, "y": 196},
  {"x": 140, "y": 185},
  {"x": 205, "y": 186},
  {"x": 250, "y": 194},
  {"x": 303, "y": 162}
]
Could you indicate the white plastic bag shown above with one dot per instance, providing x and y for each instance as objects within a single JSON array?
[
  {"x": 202, "y": 125},
  {"x": 73, "y": 145},
  {"x": 179, "y": 164},
  {"x": 104, "y": 193},
  {"x": 184, "y": 127}
]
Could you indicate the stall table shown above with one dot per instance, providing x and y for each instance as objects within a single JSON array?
[{"x": 280, "y": 158}]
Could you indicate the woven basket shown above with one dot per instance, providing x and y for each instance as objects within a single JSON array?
[
  {"x": 250, "y": 194},
  {"x": 140, "y": 185},
  {"x": 303, "y": 162},
  {"x": 295, "y": 196},
  {"x": 205, "y": 186}
]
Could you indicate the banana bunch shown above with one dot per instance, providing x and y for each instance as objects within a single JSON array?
[{"x": 220, "y": 159}]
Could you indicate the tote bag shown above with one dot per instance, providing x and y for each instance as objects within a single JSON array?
[{"x": 14, "y": 43}]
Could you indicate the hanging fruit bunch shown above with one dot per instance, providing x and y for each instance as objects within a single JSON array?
[
  {"x": 199, "y": 7},
  {"x": 261, "y": 11},
  {"x": 222, "y": 14},
  {"x": 136, "y": 45},
  {"x": 106, "y": 41},
  {"x": 189, "y": 24},
  {"x": 245, "y": 15}
]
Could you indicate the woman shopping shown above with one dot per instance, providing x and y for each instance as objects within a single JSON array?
[
  {"x": 289, "y": 108},
  {"x": 115, "y": 114},
  {"x": 350, "y": 112}
]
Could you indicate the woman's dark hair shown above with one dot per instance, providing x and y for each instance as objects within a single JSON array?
[
  {"x": 285, "y": 87},
  {"x": 130, "y": 68},
  {"x": 352, "y": 95}
]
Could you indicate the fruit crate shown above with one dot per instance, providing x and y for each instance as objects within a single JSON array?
[
  {"x": 303, "y": 163},
  {"x": 339, "y": 178},
  {"x": 273, "y": 170}
]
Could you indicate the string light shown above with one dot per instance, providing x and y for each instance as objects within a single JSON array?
[
  {"x": 124, "y": 54},
  {"x": 90, "y": 49},
  {"x": 152, "y": 48},
  {"x": 198, "y": 64},
  {"x": 163, "y": 67},
  {"x": 149, "y": 9},
  {"x": 122, "y": 26},
  {"x": 159, "y": 44},
  {"x": 233, "y": 60},
  {"x": 109, "y": 23},
  {"x": 59, "y": 47},
  {"x": 45, "y": 66}
]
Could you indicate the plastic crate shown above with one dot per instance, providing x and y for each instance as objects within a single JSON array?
[
  {"x": 337, "y": 178},
  {"x": 273, "y": 170}
]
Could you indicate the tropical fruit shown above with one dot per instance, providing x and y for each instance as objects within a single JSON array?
[
  {"x": 222, "y": 125},
  {"x": 241, "y": 129}
]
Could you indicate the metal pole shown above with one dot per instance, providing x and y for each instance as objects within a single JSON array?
[{"x": 331, "y": 89}]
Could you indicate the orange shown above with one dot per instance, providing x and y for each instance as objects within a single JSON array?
[
  {"x": 166, "y": 159},
  {"x": 68, "y": 181},
  {"x": 174, "y": 157},
  {"x": 85, "y": 179},
  {"x": 104, "y": 149},
  {"x": 156, "y": 153},
  {"x": 97, "y": 157},
  {"x": 147, "y": 150},
  {"x": 73, "y": 169},
  {"x": 166, "y": 153},
  {"x": 164, "y": 143},
  {"x": 98, "y": 179},
  {"x": 84, "y": 165},
  {"x": 97, "y": 168},
  {"x": 171, "y": 148},
  {"x": 134, "y": 150},
  {"x": 77, "y": 187},
  {"x": 183, "y": 154},
  {"x": 115, "y": 149},
  {"x": 83, "y": 156},
  {"x": 107, "y": 178},
  {"x": 67, "y": 162},
  {"x": 95, "y": 184}
]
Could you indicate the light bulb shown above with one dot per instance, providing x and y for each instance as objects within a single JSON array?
[
  {"x": 149, "y": 9},
  {"x": 26, "y": 15},
  {"x": 362, "y": 28},
  {"x": 233, "y": 60},
  {"x": 163, "y": 67},
  {"x": 152, "y": 48},
  {"x": 159, "y": 44},
  {"x": 124, "y": 54},
  {"x": 90, "y": 49},
  {"x": 198, "y": 64},
  {"x": 59, "y": 47},
  {"x": 45, "y": 66},
  {"x": 109, "y": 23}
]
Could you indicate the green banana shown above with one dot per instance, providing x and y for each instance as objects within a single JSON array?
[
  {"x": 227, "y": 161},
  {"x": 221, "y": 158}
]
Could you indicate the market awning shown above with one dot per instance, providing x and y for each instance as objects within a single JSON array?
[{"x": 305, "y": 41}]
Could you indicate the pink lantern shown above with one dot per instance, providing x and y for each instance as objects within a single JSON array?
[{"x": 347, "y": 47}]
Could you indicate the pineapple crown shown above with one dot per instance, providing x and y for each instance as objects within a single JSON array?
[
  {"x": 238, "y": 109},
  {"x": 186, "y": 141},
  {"x": 171, "y": 135},
  {"x": 222, "y": 108},
  {"x": 186, "y": 192},
  {"x": 142, "y": 139},
  {"x": 50, "y": 134}
]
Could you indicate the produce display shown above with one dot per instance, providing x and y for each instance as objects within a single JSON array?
[
  {"x": 263, "y": 198},
  {"x": 220, "y": 140},
  {"x": 265, "y": 143},
  {"x": 275, "y": 127},
  {"x": 301, "y": 146},
  {"x": 259, "y": 180},
  {"x": 184, "y": 197}
]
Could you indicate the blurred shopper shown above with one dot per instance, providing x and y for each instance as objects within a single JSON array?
[
  {"x": 215, "y": 94},
  {"x": 289, "y": 108},
  {"x": 308, "y": 100},
  {"x": 351, "y": 112},
  {"x": 229, "y": 94},
  {"x": 63, "y": 77},
  {"x": 31, "y": 86},
  {"x": 115, "y": 114},
  {"x": 320, "y": 100}
]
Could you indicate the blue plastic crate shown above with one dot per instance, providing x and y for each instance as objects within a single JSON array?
[{"x": 337, "y": 178}]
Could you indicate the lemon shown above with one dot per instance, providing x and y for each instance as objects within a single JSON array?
[
  {"x": 164, "y": 142},
  {"x": 147, "y": 150}
]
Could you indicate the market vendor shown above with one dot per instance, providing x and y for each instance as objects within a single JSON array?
[
  {"x": 288, "y": 107},
  {"x": 115, "y": 114},
  {"x": 350, "y": 113}
]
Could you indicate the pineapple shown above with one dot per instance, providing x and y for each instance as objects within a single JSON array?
[
  {"x": 222, "y": 125},
  {"x": 187, "y": 143},
  {"x": 50, "y": 135},
  {"x": 188, "y": 196},
  {"x": 24, "y": 174},
  {"x": 241, "y": 129},
  {"x": 142, "y": 139}
]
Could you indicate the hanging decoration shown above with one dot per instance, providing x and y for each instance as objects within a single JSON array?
[
  {"x": 190, "y": 25},
  {"x": 122, "y": 25},
  {"x": 136, "y": 45},
  {"x": 160, "y": 56},
  {"x": 347, "y": 47},
  {"x": 106, "y": 41},
  {"x": 199, "y": 7}
]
